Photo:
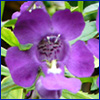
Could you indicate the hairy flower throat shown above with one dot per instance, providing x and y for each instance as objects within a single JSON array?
[{"x": 50, "y": 48}]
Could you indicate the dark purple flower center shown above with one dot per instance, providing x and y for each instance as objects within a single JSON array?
[{"x": 50, "y": 48}]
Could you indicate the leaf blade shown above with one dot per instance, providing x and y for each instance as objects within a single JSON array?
[
  {"x": 8, "y": 36},
  {"x": 90, "y": 9},
  {"x": 4, "y": 71},
  {"x": 3, "y": 52},
  {"x": 2, "y": 8},
  {"x": 80, "y": 95}
]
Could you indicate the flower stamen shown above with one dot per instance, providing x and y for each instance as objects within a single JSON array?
[
  {"x": 57, "y": 38},
  {"x": 48, "y": 38}
]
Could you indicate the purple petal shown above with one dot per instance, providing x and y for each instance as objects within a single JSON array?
[
  {"x": 25, "y": 6},
  {"x": 93, "y": 46},
  {"x": 30, "y": 27},
  {"x": 45, "y": 93},
  {"x": 16, "y": 15},
  {"x": 22, "y": 65},
  {"x": 59, "y": 82},
  {"x": 97, "y": 21},
  {"x": 69, "y": 24},
  {"x": 97, "y": 82},
  {"x": 80, "y": 61},
  {"x": 28, "y": 94},
  {"x": 39, "y": 4}
]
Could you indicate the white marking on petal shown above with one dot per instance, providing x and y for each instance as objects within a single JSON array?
[
  {"x": 30, "y": 10},
  {"x": 54, "y": 71},
  {"x": 54, "y": 68}
]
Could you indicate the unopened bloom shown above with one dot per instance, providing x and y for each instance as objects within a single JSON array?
[
  {"x": 51, "y": 51},
  {"x": 26, "y": 5}
]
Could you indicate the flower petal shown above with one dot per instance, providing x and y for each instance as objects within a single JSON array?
[
  {"x": 97, "y": 21},
  {"x": 80, "y": 61},
  {"x": 16, "y": 15},
  {"x": 97, "y": 82},
  {"x": 25, "y": 6},
  {"x": 68, "y": 24},
  {"x": 30, "y": 27},
  {"x": 59, "y": 82},
  {"x": 93, "y": 46},
  {"x": 39, "y": 4},
  {"x": 22, "y": 65},
  {"x": 45, "y": 93}
]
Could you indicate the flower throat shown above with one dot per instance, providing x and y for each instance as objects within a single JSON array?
[{"x": 50, "y": 48}]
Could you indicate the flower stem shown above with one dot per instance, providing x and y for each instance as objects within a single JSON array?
[{"x": 80, "y": 6}]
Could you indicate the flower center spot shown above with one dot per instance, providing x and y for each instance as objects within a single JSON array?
[
  {"x": 53, "y": 68},
  {"x": 50, "y": 48}
]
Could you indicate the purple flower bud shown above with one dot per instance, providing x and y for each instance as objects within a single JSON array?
[{"x": 26, "y": 5}]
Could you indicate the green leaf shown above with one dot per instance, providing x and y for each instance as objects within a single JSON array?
[
  {"x": 14, "y": 94},
  {"x": 3, "y": 52},
  {"x": 8, "y": 36},
  {"x": 25, "y": 47},
  {"x": 94, "y": 84},
  {"x": 8, "y": 23},
  {"x": 80, "y": 6},
  {"x": 4, "y": 71},
  {"x": 91, "y": 9},
  {"x": 7, "y": 85},
  {"x": 88, "y": 79},
  {"x": 89, "y": 32},
  {"x": 80, "y": 95},
  {"x": 2, "y": 8},
  {"x": 67, "y": 5}
]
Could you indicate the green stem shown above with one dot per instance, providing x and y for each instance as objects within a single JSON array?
[
  {"x": 2, "y": 8},
  {"x": 80, "y": 6}
]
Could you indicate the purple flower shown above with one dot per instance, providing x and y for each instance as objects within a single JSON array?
[
  {"x": 25, "y": 6},
  {"x": 50, "y": 38},
  {"x": 45, "y": 93},
  {"x": 93, "y": 44}
]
